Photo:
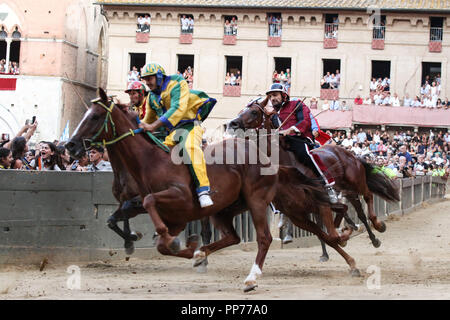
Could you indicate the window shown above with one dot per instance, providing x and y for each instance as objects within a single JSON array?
[
  {"x": 230, "y": 27},
  {"x": 381, "y": 69},
  {"x": 331, "y": 26},
  {"x": 430, "y": 72},
  {"x": 436, "y": 25},
  {"x": 143, "y": 22},
  {"x": 137, "y": 61},
  {"x": 187, "y": 23},
  {"x": 331, "y": 74},
  {"x": 233, "y": 76},
  {"x": 186, "y": 67},
  {"x": 379, "y": 28},
  {"x": 275, "y": 23},
  {"x": 282, "y": 72}
]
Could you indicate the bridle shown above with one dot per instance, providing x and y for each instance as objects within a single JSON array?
[{"x": 89, "y": 143}]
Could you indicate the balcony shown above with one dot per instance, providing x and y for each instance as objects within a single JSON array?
[
  {"x": 274, "y": 39},
  {"x": 229, "y": 35},
  {"x": 329, "y": 94},
  {"x": 378, "y": 37},
  {"x": 142, "y": 37},
  {"x": 231, "y": 91},
  {"x": 435, "y": 44},
  {"x": 330, "y": 36},
  {"x": 186, "y": 36}
]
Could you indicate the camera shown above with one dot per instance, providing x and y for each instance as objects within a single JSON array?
[{"x": 5, "y": 136}]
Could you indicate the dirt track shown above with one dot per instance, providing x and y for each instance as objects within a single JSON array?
[{"x": 414, "y": 260}]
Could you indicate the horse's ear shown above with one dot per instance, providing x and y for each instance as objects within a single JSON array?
[{"x": 102, "y": 94}]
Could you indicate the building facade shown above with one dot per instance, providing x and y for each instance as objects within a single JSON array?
[
  {"x": 403, "y": 40},
  {"x": 58, "y": 47}
]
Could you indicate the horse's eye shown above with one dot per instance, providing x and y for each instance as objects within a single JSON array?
[
  {"x": 95, "y": 117},
  {"x": 254, "y": 112}
]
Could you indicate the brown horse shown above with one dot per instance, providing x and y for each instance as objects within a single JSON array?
[
  {"x": 168, "y": 190},
  {"x": 353, "y": 175},
  {"x": 126, "y": 192}
]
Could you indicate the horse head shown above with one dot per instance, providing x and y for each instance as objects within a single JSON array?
[
  {"x": 251, "y": 117},
  {"x": 96, "y": 126}
]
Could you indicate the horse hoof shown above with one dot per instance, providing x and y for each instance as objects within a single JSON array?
[
  {"x": 129, "y": 248},
  {"x": 382, "y": 227},
  {"x": 342, "y": 244},
  {"x": 376, "y": 243},
  {"x": 324, "y": 259},
  {"x": 111, "y": 222},
  {"x": 175, "y": 246},
  {"x": 135, "y": 236},
  {"x": 202, "y": 267},
  {"x": 192, "y": 239},
  {"x": 355, "y": 273},
  {"x": 200, "y": 258},
  {"x": 250, "y": 287}
]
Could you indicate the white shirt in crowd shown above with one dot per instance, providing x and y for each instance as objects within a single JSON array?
[
  {"x": 148, "y": 20},
  {"x": 347, "y": 142},
  {"x": 407, "y": 102},
  {"x": 376, "y": 138},
  {"x": 367, "y": 101},
  {"x": 373, "y": 85},
  {"x": 184, "y": 23},
  {"x": 191, "y": 23},
  {"x": 394, "y": 101},
  {"x": 141, "y": 20}
]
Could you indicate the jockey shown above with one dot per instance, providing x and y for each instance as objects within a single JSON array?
[
  {"x": 295, "y": 121},
  {"x": 173, "y": 105},
  {"x": 138, "y": 97}
]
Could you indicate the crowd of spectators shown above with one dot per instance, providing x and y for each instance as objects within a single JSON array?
[
  {"x": 230, "y": 28},
  {"x": 143, "y": 23},
  {"x": 232, "y": 79},
  {"x": 133, "y": 75},
  {"x": 331, "y": 80},
  {"x": 402, "y": 154},
  {"x": 47, "y": 156},
  {"x": 331, "y": 29},
  {"x": 188, "y": 75},
  {"x": 283, "y": 77},
  {"x": 11, "y": 68},
  {"x": 428, "y": 97},
  {"x": 274, "y": 26},
  {"x": 187, "y": 24}
]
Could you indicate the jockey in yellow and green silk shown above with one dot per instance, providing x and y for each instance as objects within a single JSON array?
[{"x": 173, "y": 105}]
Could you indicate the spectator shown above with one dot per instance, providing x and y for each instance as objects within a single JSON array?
[
  {"x": 184, "y": 24},
  {"x": 394, "y": 101},
  {"x": 97, "y": 162},
  {"x": 228, "y": 28},
  {"x": 228, "y": 79},
  {"x": 140, "y": 23},
  {"x": 386, "y": 100},
  {"x": 344, "y": 106},
  {"x": 234, "y": 25},
  {"x": 362, "y": 137},
  {"x": 147, "y": 22},
  {"x": 367, "y": 101},
  {"x": 373, "y": 85},
  {"x": 6, "y": 158},
  {"x": 81, "y": 164},
  {"x": 404, "y": 153},
  {"x": 191, "y": 25},
  {"x": 313, "y": 103},
  {"x": 335, "y": 105},
  {"x": 325, "y": 105},
  {"x": 358, "y": 100},
  {"x": 407, "y": 101},
  {"x": 324, "y": 84},
  {"x": 232, "y": 79},
  {"x": 238, "y": 78},
  {"x": 48, "y": 158}
]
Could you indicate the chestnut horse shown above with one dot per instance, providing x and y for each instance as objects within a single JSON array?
[
  {"x": 353, "y": 175},
  {"x": 126, "y": 192},
  {"x": 168, "y": 191}
]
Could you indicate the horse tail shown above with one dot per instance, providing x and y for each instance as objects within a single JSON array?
[
  {"x": 291, "y": 178},
  {"x": 379, "y": 183}
]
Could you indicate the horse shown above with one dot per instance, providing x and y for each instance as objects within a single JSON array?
[
  {"x": 126, "y": 192},
  {"x": 354, "y": 176},
  {"x": 167, "y": 188}
]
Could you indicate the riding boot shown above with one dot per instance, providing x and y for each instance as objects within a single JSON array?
[
  {"x": 204, "y": 199},
  {"x": 332, "y": 194}
]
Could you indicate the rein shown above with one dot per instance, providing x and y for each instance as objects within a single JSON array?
[{"x": 131, "y": 132}]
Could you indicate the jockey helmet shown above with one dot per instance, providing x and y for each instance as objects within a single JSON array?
[
  {"x": 154, "y": 69},
  {"x": 136, "y": 86},
  {"x": 278, "y": 87}
]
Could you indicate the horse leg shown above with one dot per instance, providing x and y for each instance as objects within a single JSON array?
[
  {"x": 118, "y": 215},
  {"x": 263, "y": 238},
  {"x": 224, "y": 222},
  {"x": 358, "y": 207},
  {"x": 206, "y": 231},
  {"x": 327, "y": 219},
  {"x": 310, "y": 226},
  {"x": 171, "y": 242},
  {"x": 380, "y": 226},
  {"x": 324, "y": 257},
  {"x": 191, "y": 244}
]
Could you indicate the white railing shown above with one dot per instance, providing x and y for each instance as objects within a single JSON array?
[
  {"x": 331, "y": 30},
  {"x": 436, "y": 34},
  {"x": 379, "y": 32}
]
